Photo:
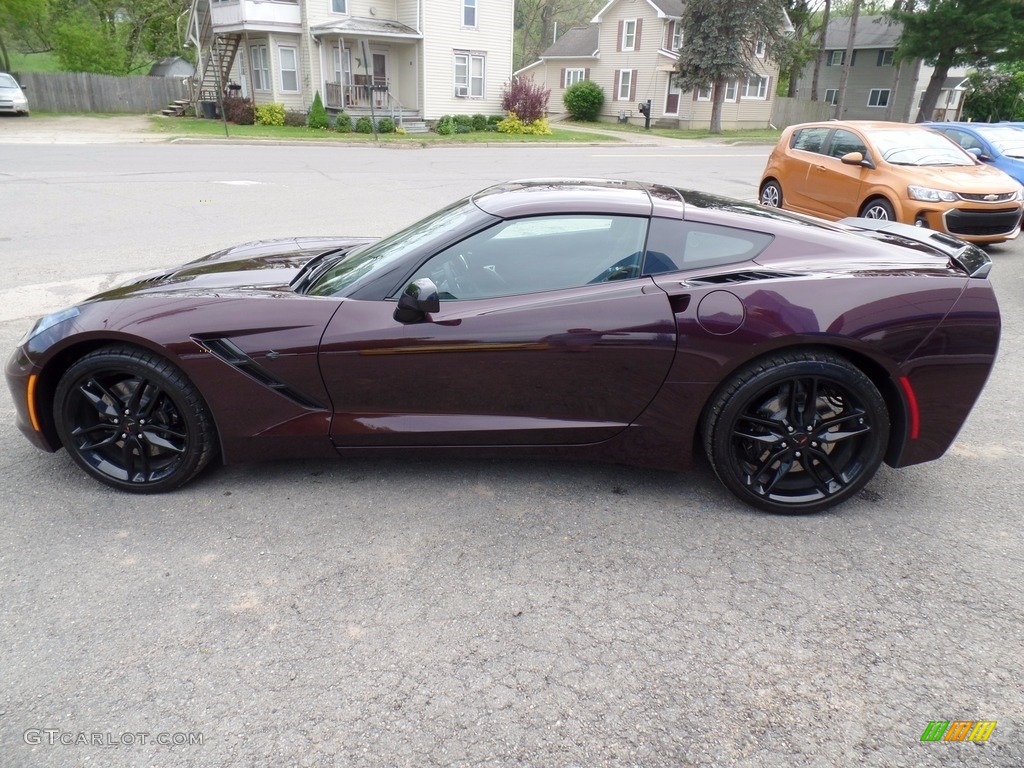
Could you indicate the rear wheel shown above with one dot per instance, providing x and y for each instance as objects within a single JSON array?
[
  {"x": 878, "y": 209},
  {"x": 133, "y": 421},
  {"x": 797, "y": 432},
  {"x": 771, "y": 194}
]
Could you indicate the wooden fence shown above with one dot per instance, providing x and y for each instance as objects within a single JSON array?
[
  {"x": 787, "y": 112},
  {"x": 87, "y": 92}
]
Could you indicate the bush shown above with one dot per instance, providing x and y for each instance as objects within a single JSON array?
[
  {"x": 364, "y": 125},
  {"x": 526, "y": 99},
  {"x": 463, "y": 121},
  {"x": 479, "y": 123},
  {"x": 239, "y": 111},
  {"x": 385, "y": 125},
  {"x": 584, "y": 100},
  {"x": 270, "y": 114},
  {"x": 343, "y": 123},
  {"x": 493, "y": 121},
  {"x": 295, "y": 119},
  {"x": 512, "y": 124},
  {"x": 318, "y": 115},
  {"x": 445, "y": 126}
]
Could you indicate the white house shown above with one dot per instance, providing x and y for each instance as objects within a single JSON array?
[
  {"x": 414, "y": 59},
  {"x": 630, "y": 49}
]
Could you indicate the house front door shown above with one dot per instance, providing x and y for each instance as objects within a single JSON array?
[{"x": 672, "y": 98}]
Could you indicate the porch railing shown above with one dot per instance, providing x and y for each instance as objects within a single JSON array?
[{"x": 360, "y": 96}]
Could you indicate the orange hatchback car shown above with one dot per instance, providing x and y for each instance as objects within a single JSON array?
[{"x": 893, "y": 171}]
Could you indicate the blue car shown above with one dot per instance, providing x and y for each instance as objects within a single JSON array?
[{"x": 998, "y": 144}]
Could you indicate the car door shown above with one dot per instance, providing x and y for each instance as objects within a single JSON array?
[
  {"x": 798, "y": 185},
  {"x": 546, "y": 334},
  {"x": 836, "y": 186}
]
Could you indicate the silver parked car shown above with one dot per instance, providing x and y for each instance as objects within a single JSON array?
[{"x": 12, "y": 98}]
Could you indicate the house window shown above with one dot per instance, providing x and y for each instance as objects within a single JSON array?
[
  {"x": 730, "y": 90},
  {"x": 339, "y": 6},
  {"x": 289, "y": 68},
  {"x": 756, "y": 87},
  {"x": 759, "y": 48},
  {"x": 469, "y": 75},
  {"x": 629, "y": 35},
  {"x": 469, "y": 13},
  {"x": 885, "y": 58},
  {"x": 832, "y": 96},
  {"x": 704, "y": 94},
  {"x": 623, "y": 91},
  {"x": 260, "y": 68},
  {"x": 574, "y": 76},
  {"x": 835, "y": 58},
  {"x": 879, "y": 97},
  {"x": 677, "y": 36}
]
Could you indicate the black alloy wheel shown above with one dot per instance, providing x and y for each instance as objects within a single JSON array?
[
  {"x": 133, "y": 421},
  {"x": 796, "y": 433}
]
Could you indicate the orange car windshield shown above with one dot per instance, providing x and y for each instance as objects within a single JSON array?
[{"x": 918, "y": 147}]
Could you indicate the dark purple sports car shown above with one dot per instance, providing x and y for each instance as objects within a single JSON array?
[{"x": 594, "y": 319}]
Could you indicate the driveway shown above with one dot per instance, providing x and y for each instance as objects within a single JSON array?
[{"x": 77, "y": 129}]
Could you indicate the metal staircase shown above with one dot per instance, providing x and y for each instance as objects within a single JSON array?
[{"x": 215, "y": 55}]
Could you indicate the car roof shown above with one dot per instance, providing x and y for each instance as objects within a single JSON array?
[{"x": 528, "y": 197}]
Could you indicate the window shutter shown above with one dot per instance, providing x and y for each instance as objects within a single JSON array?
[
  {"x": 668, "y": 35},
  {"x": 618, "y": 84},
  {"x": 618, "y": 42},
  {"x": 632, "y": 78},
  {"x": 636, "y": 43},
  {"x": 563, "y": 78},
  {"x": 768, "y": 87},
  {"x": 853, "y": 59}
]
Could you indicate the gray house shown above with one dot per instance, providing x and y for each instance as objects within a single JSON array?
[{"x": 873, "y": 91}]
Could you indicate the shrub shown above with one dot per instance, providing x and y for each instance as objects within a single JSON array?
[
  {"x": 463, "y": 121},
  {"x": 512, "y": 124},
  {"x": 479, "y": 123},
  {"x": 270, "y": 114},
  {"x": 364, "y": 125},
  {"x": 239, "y": 111},
  {"x": 525, "y": 98},
  {"x": 317, "y": 114},
  {"x": 584, "y": 100},
  {"x": 445, "y": 126},
  {"x": 386, "y": 125},
  {"x": 343, "y": 123},
  {"x": 295, "y": 119},
  {"x": 493, "y": 121}
]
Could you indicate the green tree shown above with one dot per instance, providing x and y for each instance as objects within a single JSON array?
[
  {"x": 721, "y": 36},
  {"x": 536, "y": 23},
  {"x": 24, "y": 26},
  {"x": 996, "y": 94},
  {"x": 953, "y": 33}
]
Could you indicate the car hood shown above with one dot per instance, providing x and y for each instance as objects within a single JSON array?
[
  {"x": 976, "y": 179},
  {"x": 260, "y": 267}
]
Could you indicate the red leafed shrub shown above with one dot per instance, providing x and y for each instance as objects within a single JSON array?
[
  {"x": 526, "y": 99},
  {"x": 239, "y": 111}
]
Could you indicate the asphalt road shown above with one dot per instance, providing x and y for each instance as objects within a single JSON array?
[{"x": 482, "y": 612}]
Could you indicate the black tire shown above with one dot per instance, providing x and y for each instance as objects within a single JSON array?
[
  {"x": 771, "y": 194},
  {"x": 133, "y": 421},
  {"x": 879, "y": 208},
  {"x": 776, "y": 453}
]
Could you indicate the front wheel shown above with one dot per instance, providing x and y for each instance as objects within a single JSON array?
[
  {"x": 878, "y": 209},
  {"x": 133, "y": 421},
  {"x": 797, "y": 432}
]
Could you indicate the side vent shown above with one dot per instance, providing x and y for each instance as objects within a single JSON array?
[
  {"x": 226, "y": 350},
  {"x": 742, "y": 277}
]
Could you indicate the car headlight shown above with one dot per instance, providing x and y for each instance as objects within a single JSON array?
[
  {"x": 47, "y": 322},
  {"x": 929, "y": 195}
]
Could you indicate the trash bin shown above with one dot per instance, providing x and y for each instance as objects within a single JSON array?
[{"x": 209, "y": 109}]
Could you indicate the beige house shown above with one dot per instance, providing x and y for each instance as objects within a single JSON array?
[
  {"x": 415, "y": 60},
  {"x": 872, "y": 89},
  {"x": 630, "y": 49}
]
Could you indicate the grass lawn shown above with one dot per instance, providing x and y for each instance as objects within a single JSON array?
[
  {"x": 765, "y": 135},
  {"x": 191, "y": 126},
  {"x": 33, "y": 62}
]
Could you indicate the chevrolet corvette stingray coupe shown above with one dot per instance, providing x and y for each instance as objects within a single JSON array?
[{"x": 596, "y": 319}]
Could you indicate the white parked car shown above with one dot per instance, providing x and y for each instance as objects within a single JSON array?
[{"x": 12, "y": 98}]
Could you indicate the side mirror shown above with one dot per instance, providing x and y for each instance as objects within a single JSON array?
[
  {"x": 418, "y": 300},
  {"x": 856, "y": 158}
]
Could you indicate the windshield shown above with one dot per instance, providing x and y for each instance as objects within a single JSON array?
[
  {"x": 1009, "y": 141},
  {"x": 918, "y": 147},
  {"x": 6, "y": 81},
  {"x": 381, "y": 254}
]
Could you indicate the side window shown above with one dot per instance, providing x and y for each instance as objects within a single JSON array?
[
  {"x": 809, "y": 139},
  {"x": 538, "y": 253},
  {"x": 675, "y": 245},
  {"x": 844, "y": 142}
]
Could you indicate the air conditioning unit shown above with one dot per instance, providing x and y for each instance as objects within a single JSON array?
[{"x": 462, "y": 91}]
